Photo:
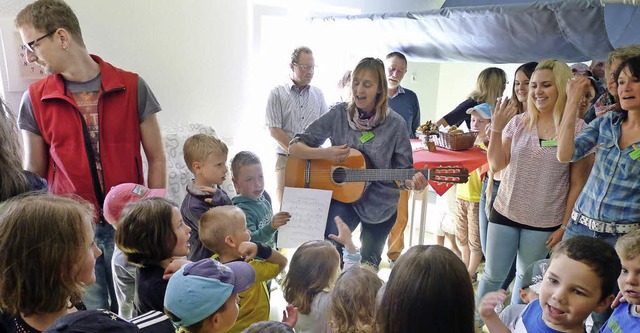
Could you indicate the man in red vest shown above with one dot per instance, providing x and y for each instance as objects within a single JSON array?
[{"x": 83, "y": 124}]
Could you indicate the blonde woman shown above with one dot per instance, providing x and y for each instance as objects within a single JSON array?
[
  {"x": 489, "y": 87},
  {"x": 536, "y": 189}
]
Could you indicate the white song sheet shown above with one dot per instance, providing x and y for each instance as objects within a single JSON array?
[{"x": 309, "y": 209}]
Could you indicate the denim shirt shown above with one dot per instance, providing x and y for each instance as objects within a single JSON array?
[
  {"x": 390, "y": 148},
  {"x": 612, "y": 192}
]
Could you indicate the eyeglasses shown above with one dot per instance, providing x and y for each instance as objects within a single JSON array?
[
  {"x": 32, "y": 44},
  {"x": 305, "y": 67}
]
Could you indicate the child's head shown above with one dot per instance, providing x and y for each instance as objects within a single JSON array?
[
  {"x": 532, "y": 280},
  {"x": 120, "y": 195},
  {"x": 47, "y": 253},
  {"x": 223, "y": 228},
  {"x": 480, "y": 117},
  {"x": 247, "y": 175},
  {"x": 203, "y": 296},
  {"x": 269, "y": 327},
  {"x": 580, "y": 279},
  {"x": 353, "y": 300},
  {"x": 314, "y": 267},
  {"x": 426, "y": 283},
  {"x": 206, "y": 157},
  {"x": 151, "y": 230},
  {"x": 628, "y": 248}
]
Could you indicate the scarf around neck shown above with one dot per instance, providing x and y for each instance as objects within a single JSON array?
[{"x": 358, "y": 123}]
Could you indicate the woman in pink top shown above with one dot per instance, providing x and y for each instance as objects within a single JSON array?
[{"x": 536, "y": 189}]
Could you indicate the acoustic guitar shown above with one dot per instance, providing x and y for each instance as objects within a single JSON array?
[{"x": 347, "y": 179}]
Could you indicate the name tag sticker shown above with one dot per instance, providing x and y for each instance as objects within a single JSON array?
[
  {"x": 366, "y": 136},
  {"x": 635, "y": 154},
  {"x": 549, "y": 143}
]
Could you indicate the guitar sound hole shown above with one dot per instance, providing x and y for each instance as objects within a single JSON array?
[{"x": 339, "y": 175}]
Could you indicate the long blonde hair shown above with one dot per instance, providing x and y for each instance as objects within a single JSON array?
[
  {"x": 489, "y": 86},
  {"x": 562, "y": 74},
  {"x": 353, "y": 300},
  {"x": 375, "y": 66}
]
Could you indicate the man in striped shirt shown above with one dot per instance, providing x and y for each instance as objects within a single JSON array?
[{"x": 292, "y": 106}]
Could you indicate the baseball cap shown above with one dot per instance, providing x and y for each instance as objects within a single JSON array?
[
  {"x": 120, "y": 195},
  {"x": 92, "y": 321},
  {"x": 532, "y": 277},
  {"x": 581, "y": 69},
  {"x": 484, "y": 110},
  {"x": 199, "y": 289}
]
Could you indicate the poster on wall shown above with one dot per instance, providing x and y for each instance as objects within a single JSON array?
[{"x": 18, "y": 72}]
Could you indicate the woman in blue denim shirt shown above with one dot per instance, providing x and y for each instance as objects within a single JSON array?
[{"x": 609, "y": 205}]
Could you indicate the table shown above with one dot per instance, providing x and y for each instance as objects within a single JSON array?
[{"x": 470, "y": 158}]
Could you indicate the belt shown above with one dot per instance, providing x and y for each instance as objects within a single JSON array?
[{"x": 603, "y": 227}]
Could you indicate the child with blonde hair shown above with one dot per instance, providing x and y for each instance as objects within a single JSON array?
[
  {"x": 313, "y": 271},
  {"x": 47, "y": 257},
  {"x": 206, "y": 157},
  {"x": 223, "y": 230},
  {"x": 151, "y": 233},
  {"x": 353, "y": 300}
]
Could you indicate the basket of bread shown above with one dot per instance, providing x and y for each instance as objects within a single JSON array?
[{"x": 456, "y": 139}]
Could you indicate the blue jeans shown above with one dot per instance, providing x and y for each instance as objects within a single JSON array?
[
  {"x": 484, "y": 224},
  {"x": 372, "y": 236},
  {"x": 98, "y": 295},
  {"x": 575, "y": 229},
  {"x": 504, "y": 244}
]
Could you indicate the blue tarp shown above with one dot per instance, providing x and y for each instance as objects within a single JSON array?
[{"x": 494, "y": 31}]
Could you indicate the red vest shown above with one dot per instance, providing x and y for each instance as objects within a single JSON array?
[{"x": 62, "y": 127}]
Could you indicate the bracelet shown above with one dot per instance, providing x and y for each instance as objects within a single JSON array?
[
  {"x": 563, "y": 227},
  {"x": 495, "y": 130}
]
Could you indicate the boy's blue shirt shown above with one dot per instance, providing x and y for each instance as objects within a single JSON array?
[
  {"x": 531, "y": 318},
  {"x": 622, "y": 320},
  {"x": 259, "y": 214}
]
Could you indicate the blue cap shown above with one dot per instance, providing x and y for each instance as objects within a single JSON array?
[
  {"x": 92, "y": 321},
  {"x": 199, "y": 289},
  {"x": 484, "y": 110}
]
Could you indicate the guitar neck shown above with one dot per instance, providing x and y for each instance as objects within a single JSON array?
[{"x": 373, "y": 175}]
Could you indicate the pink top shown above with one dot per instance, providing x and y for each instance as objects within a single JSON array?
[{"x": 535, "y": 185}]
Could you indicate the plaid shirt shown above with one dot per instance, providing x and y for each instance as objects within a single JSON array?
[{"x": 612, "y": 192}]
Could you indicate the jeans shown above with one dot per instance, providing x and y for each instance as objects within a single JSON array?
[
  {"x": 98, "y": 295},
  {"x": 372, "y": 236},
  {"x": 504, "y": 244},
  {"x": 575, "y": 229}
]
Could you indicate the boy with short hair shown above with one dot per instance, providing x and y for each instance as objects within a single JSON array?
[
  {"x": 467, "y": 212},
  {"x": 206, "y": 157},
  {"x": 626, "y": 317},
  {"x": 202, "y": 296},
  {"x": 580, "y": 279},
  {"x": 223, "y": 230},
  {"x": 254, "y": 201}
]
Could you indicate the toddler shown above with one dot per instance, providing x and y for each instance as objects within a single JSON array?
[
  {"x": 353, "y": 300},
  {"x": 312, "y": 273},
  {"x": 223, "y": 230}
]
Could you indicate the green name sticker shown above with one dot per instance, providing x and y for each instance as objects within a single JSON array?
[
  {"x": 366, "y": 136},
  {"x": 635, "y": 154},
  {"x": 549, "y": 143}
]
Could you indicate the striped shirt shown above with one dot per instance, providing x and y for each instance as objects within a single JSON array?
[
  {"x": 612, "y": 192},
  {"x": 292, "y": 109},
  {"x": 535, "y": 185}
]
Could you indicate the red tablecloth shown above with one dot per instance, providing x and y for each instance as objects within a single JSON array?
[{"x": 470, "y": 158}]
